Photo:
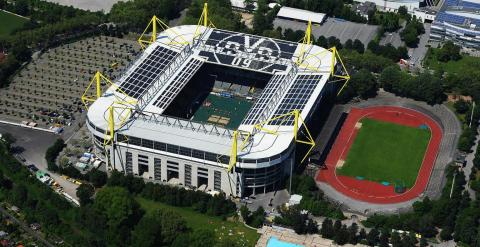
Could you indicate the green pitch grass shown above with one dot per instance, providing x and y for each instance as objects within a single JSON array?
[
  {"x": 234, "y": 108},
  {"x": 386, "y": 152},
  {"x": 9, "y": 23}
]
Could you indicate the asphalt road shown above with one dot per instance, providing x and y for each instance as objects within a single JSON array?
[
  {"x": 418, "y": 54},
  {"x": 34, "y": 144},
  {"x": 26, "y": 228}
]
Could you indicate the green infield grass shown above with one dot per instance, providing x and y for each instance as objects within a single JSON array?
[
  {"x": 386, "y": 152},
  {"x": 233, "y": 110},
  {"x": 9, "y": 22}
]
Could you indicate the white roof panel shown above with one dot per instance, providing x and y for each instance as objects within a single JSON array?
[{"x": 300, "y": 14}]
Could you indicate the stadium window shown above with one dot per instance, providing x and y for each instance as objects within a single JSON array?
[
  {"x": 160, "y": 146},
  {"x": 198, "y": 154},
  {"x": 210, "y": 156},
  {"x": 185, "y": 151},
  {"x": 147, "y": 143},
  {"x": 172, "y": 148},
  {"x": 134, "y": 141}
]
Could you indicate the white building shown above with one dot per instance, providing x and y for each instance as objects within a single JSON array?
[
  {"x": 161, "y": 139},
  {"x": 459, "y": 22},
  {"x": 393, "y": 5},
  {"x": 301, "y": 15}
]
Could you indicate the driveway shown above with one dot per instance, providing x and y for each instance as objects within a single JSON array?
[{"x": 418, "y": 54}]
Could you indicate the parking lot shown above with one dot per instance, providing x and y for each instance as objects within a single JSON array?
[
  {"x": 47, "y": 91},
  {"x": 343, "y": 30},
  {"x": 32, "y": 147}
]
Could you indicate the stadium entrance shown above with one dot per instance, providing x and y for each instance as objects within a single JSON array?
[{"x": 219, "y": 95}]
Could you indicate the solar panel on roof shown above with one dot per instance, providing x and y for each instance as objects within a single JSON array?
[
  {"x": 248, "y": 51},
  {"x": 296, "y": 97},
  {"x": 178, "y": 83},
  {"x": 147, "y": 71},
  {"x": 255, "y": 113}
]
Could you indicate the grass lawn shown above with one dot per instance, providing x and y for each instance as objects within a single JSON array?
[
  {"x": 388, "y": 152},
  {"x": 200, "y": 221},
  {"x": 467, "y": 64},
  {"x": 9, "y": 23},
  {"x": 234, "y": 108}
]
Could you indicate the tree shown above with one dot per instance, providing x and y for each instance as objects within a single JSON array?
[
  {"x": 449, "y": 51},
  {"x": 383, "y": 240},
  {"x": 461, "y": 106},
  {"x": 348, "y": 44},
  {"x": 327, "y": 230},
  {"x": 373, "y": 237},
  {"x": 97, "y": 178},
  {"x": 121, "y": 212},
  {"x": 245, "y": 213},
  {"x": 85, "y": 193},
  {"x": 160, "y": 228},
  {"x": 341, "y": 236},
  {"x": 8, "y": 139},
  {"x": 358, "y": 46},
  {"x": 352, "y": 233},
  {"x": 322, "y": 42},
  {"x": 249, "y": 5},
  {"x": 402, "y": 11}
]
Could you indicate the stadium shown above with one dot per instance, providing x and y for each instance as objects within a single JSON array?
[{"x": 212, "y": 109}]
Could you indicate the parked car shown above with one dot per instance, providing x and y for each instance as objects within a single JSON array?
[{"x": 32, "y": 168}]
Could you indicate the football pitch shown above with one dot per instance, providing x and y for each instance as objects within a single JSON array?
[
  {"x": 9, "y": 22},
  {"x": 386, "y": 152},
  {"x": 225, "y": 111}
]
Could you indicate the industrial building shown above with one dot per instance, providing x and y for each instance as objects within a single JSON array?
[
  {"x": 458, "y": 21},
  {"x": 393, "y": 5},
  {"x": 213, "y": 110}
]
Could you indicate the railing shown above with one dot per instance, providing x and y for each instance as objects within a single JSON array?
[{"x": 210, "y": 129}]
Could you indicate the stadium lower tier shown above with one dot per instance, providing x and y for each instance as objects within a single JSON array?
[{"x": 193, "y": 173}]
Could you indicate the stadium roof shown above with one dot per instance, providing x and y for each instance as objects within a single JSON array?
[
  {"x": 165, "y": 67},
  {"x": 300, "y": 14}
]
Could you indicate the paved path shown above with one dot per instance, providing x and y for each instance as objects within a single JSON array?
[
  {"x": 25, "y": 227},
  {"x": 418, "y": 54},
  {"x": 468, "y": 167}
]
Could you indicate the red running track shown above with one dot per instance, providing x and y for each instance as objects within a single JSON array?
[{"x": 374, "y": 192}]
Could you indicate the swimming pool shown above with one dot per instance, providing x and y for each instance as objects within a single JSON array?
[{"x": 274, "y": 242}]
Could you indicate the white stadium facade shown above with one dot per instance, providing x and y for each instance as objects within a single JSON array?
[{"x": 144, "y": 123}]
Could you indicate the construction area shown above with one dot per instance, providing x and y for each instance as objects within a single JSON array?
[{"x": 46, "y": 92}]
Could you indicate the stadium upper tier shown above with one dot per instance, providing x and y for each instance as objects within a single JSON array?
[{"x": 163, "y": 70}]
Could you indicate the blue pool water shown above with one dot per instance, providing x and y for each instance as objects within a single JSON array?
[{"x": 274, "y": 242}]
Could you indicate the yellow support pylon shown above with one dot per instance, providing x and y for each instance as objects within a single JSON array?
[
  {"x": 233, "y": 152},
  {"x": 346, "y": 76},
  {"x": 306, "y": 41},
  {"x": 203, "y": 21},
  {"x": 157, "y": 24},
  {"x": 97, "y": 81},
  {"x": 297, "y": 120}
]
